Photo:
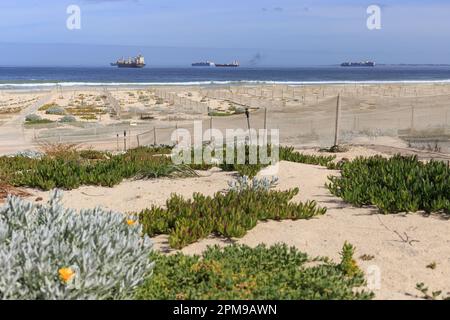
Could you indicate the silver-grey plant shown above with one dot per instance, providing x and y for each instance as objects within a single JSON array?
[
  {"x": 243, "y": 183},
  {"x": 49, "y": 252}
]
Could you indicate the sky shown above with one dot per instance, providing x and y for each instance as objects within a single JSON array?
[{"x": 256, "y": 32}]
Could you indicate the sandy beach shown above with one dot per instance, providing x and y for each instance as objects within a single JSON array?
[{"x": 396, "y": 115}]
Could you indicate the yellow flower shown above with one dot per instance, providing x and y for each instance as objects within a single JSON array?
[
  {"x": 66, "y": 274},
  {"x": 130, "y": 222}
]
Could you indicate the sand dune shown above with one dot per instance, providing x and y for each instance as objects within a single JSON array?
[{"x": 401, "y": 245}]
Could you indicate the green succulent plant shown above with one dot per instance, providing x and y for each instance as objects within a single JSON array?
[
  {"x": 230, "y": 215},
  {"x": 398, "y": 184},
  {"x": 88, "y": 167},
  {"x": 239, "y": 272}
]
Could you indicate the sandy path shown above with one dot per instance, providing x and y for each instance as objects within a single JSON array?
[
  {"x": 12, "y": 133},
  {"x": 401, "y": 264}
]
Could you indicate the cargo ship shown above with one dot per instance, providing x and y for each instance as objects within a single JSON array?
[
  {"x": 358, "y": 64},
  {"x": 234, "y": 64},
  {"x": 137, "y": 62},
  {"x": 204, "y": 64}
]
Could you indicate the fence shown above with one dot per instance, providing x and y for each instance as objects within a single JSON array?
[
  {"x": 305, "y": 116},
  {"x": 182, "y": 103}
]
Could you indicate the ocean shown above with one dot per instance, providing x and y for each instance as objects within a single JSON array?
[{"x": 38, "y": 77}]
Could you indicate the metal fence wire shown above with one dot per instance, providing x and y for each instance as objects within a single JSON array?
[{"x": 304, "y": 115}]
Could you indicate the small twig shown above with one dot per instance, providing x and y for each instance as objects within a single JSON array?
[
  {"x": 404, "y": 239},
  {"x": 92, "y": 195}
]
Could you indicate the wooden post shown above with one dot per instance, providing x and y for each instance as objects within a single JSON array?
[
  {"x": 154, "y": 136},
  {"x": 412, "y": 118},
  {"x": 265, "y": 118},
  {"x": 338, "y": 114},
  {"x": 125, "y": 141},
  {"x": 210, "y": 128},
  {"x": 247, "y": 114},
  {"x": 117, "y": 142}
]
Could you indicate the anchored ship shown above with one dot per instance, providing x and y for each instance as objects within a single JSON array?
[
  {"x": 203, "y": 64},
  {"x": 137, "y": 62},
  {"x": 234, "y": 64},
  {"x": 358, "y": 64}
]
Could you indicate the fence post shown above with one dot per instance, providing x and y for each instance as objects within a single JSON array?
[
  {"x": 336, "y": 127},
  {"x": 137, "y": 138},
  {"x": 265, "y": 118},
  {"x": 154, "y": 136},
  {"x": 125, "y": 140},
  {"x": 129, "y": 139},
  {"x": 210, "y": 128},
  {"x": 247, "y": 114}
]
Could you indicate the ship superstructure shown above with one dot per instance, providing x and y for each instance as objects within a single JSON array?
[
  {"x": 136, "y": 62},
  {"x": 204, "y": 64},
  {"x": 234, "y": 64},
  {"x": 358, "y": 64}
]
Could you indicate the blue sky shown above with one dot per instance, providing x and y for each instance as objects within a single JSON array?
[{"x": 259, "y": 32}]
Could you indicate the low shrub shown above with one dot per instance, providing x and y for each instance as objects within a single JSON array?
[
  {"x": 230, "y": 215},
  {"x": 59, "y": 111},
  {"x": 47, "y": 106},
  {"x": 69, "y": 169},
  {"x": 67, "y": 119},
  {"x": 32, "y": 117},
  {"x": 398, "y": 184},
  {"x": 214, "y": 113},
  {"x": 48, "y": 252},
  {"x": 89, "y": 117},
  {"x": 243, "y": 183},
  {"x": 86, "y": 110},
  {"x": 91, "y": 154},
  {"x": 36, "y": 119},
  {"x": 243, "y": 273},
  {"x": 289, "y": 154}
]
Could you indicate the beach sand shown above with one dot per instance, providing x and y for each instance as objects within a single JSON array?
[
  {"x": 396, "y": 115},
  {"x": 401, "y": 245}
]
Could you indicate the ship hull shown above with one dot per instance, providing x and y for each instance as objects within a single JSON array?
[
  {"x": 134, "y": 66},
  {"x": 226, "y": 66},
  {"x": 357, "y": 64},
  {"x": 203, "y": 65}
]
